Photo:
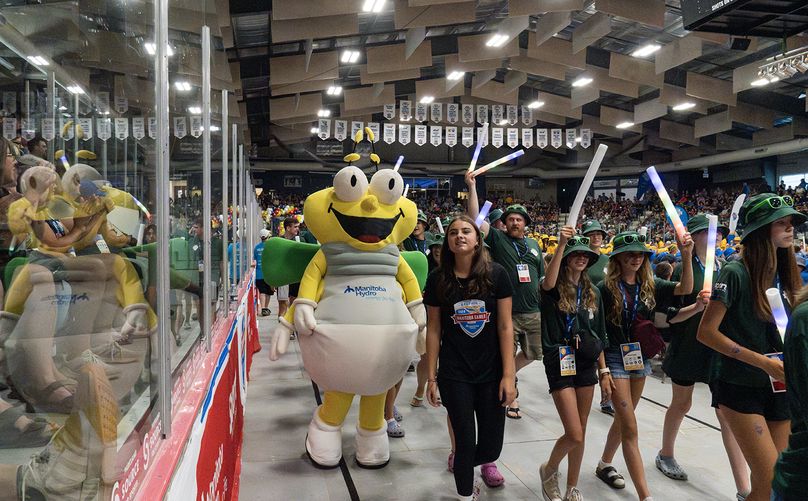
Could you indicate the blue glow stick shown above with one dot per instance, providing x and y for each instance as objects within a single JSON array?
[
  {"x": 483, "y": 213},
  {"x": 666, "y": 202},
  {"x": 778, "y": 310},
  {"x": 496, "y": 163},
  {"x": 709, "y": 264},
  {"x": 473, "y": 163},
  {"x": 398, "y": 163}
]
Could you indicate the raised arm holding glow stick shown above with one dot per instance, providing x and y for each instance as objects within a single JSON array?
[
  {"x": 666, "y": 202},
  {"x": 583, "y": 190},
  {"x": 399, "y": 162},
  {"x": 483, "y": 214},
  {"x": 477, "y": 149},
  {"x": 440, "y": 225},
  {"x": 733, "y": 218},
  {"x": 778, "y": 310},
  {"x": 709, "y": 261},
  {"x": 496, "y": 163}
]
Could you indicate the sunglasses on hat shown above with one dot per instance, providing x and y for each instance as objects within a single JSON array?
[
  {"x": 773, "y": 203},
  {"x": 578, "y": 241},
  {"x": 629, "y": 239}
]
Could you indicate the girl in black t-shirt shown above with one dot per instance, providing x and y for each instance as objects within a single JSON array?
[{"x": 470, "y": 331}]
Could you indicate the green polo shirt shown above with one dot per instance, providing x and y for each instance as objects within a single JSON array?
[
  {"x": 597, "y": 272},
  {"x": 686, "y": 358},
  {"x": 619, "y": 334},
  {"x": 734, "y": 289},
  {"x": 509, "y": 252},
  {"x": 308, "y": 237},
  {"x": 554, "y": 321}
]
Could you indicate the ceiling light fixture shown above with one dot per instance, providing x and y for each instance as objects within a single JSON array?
[
  {"x": 350, "y": 56},
  {"x": 625, "y": 125},
  {"x": 151, "y": 49},
  {"x": 182, "y": 86},
  {"x": 456, "y": 75},
  {"x": 785, "y": 66},
  {"x": 38, "y": 60},
  {"x": 582, "y": 81},
  {"x": 315, "y": 130},
  {"x": 646, "y": 50},
  {"x": 75, "y": 89},
  {"x": 497, "y": 40},
  {"x": 504, "y": 121},
  {"x": 760, "y": 82},
  {"x": 684, "y": 106},
  {"x": 373, "y": 6},
  {"x": 214, "y": 128},
  {"x": 324, "y": 113},
  {"x": 334, "y": 90},
  {"x": 535, "y": 104},
  {"x": 427, "y": 99},
  {"x": 801, "y": 96},
  {"x": 194, "y": 110}
]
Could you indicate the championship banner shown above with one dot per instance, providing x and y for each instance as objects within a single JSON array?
[
  {"x": 420, "y": 135},
  {"x": 556, "y": 139},
  {"x": 122, "y": 128},
  {"x": 196, "y": 126},
  {"x": 404, "y": 133},
  {"x": 405, "y": 110},
  {"x": 180, "y": 127},
  {"x": 541, "y": 138},
  {"x": 389, "y": 133},
  {"x": 389, "y": 111},
  {"x": 451, "y": 135},
  {"x": 527, "y": 138},
  {"x": 452, "y": 110},
  {"x": 468, "y": 114},
  {"x": 87, "y": 125},
  {"x": 483, "y": 135},
  {"x": 138, "y": 127},
  {"x": 482, "y": 114},
  {"x": 420, "y": 112},
  {"x": 513, "y": 137},
  {"x": 586, "y": 137},
  {"x": 497, "y": 111},
  {"x": 436, "y": 112},
  {"x": 435, "y": 135},
  {"x": 324, "y": 128},
  {"x": 374, "y": 128},
  {"x": 340, "y": 129},
  {"x": 496, "y": 137},
  {"x": 10, "y": 102},
  {"x": 102, "y": 103},
  {"x": 28, "y": 130},
  {"x": 48, "y": 130},
  {"x": 468, "y": 136},
  {"x": 355, "y": 127},
  {"x": 527, "y": 115},
  {"x": 103, "y": 128},
  {"x": 9, "y": 128},
  {"x": 121, "y": 104},
  {"x": 513, "y": 115},
  {"x": 152, "y": 127},
  {"x": 571, "y": 138}
]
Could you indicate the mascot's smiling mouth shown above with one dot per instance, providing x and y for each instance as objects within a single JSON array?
[{"x": 369, "y": 230}]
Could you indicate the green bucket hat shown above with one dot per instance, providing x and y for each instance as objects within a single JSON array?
[
  {"x": 629, "y": 241},
  {"x": 593, "y": 225},
  {"x": 422, "y": 217},
  {"x": 494, "y": 215},
  {"x": 436, "y": 240},
  {"x": 763, "y": 209},
  {"x": 446, "y": 222},
  {"x": 580, "y": 244},
  {"x": 700, "y": 222},
  {"x": 516, "y": 209}
]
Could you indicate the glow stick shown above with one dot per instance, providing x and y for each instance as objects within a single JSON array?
[
  {"x": 64, "y": 161},
  {"x": 399, "y": 162},
  {"x": 477, "y": 149},
  {"x": 406, "y": 190},
  {"x": 736, "y": 208},
  {"x": 496, "y": 163},
  {"x": 483, "y": 214},
  {"x": 583, "y": 190},
  {"x": 643, "y": 231},
  {"x": 440, "y": 225},
  {"x": 143, "y": 208},
  {"x": 666, "y": 202},
  {"x": 778, "y": 310},
  {"x": 140, "y": 230},
  {"x": 709, "y": 262}
]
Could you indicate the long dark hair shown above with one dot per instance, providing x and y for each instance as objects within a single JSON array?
[
  {"x": 763, "y": 260},
  {"x": 568, "y": 292},
  {"x": 480, "y": 281}
]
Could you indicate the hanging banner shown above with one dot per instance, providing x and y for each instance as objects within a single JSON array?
[
  {"x": 541, "y": 138},
  {"x": 324, "y": 128},
  {"x": 48, "y": 132},
  {"x": 102, "y": 103},
  {"x": 180, "y": 127},
  {"x": 571, "y": 135},
  {"x": 103, "y": 128},
  {"x": 87, "y": 126},
  {"x": 374, "y": 128},
  {"x": 452, "y": 113},
  {"x": 153, "y": 127},
  {"x": 28, "y": 129},
  {"x": 482, "y": 136},
  {"x": 405, "y": 110},
  {"x": 468, "y": 136},
  {"x": 556, "y": 138},
  {"x": 340, "y": 129},
  {"x": 65, "y": 131},
  {"x": 356, "y": 126},
  {"x": 436, "y": 112},
  {"x": 482, "y": 114},
  {"x": 497, "y": 111},
  {"x": 420, "y": 114},
  {"x": 9, "y": 128},
  {"x": 10, "y": 102},
  {"x": 586, "y": 137},
  {"x": 389, "y": 133},
  {"x": 138, "y": 128},
  {"x": 496, "y": 137},
  {"x": 451, "y": 135},
  {"x": 121, "y": 104},
  {"x": 435, "y": 136},
  {"x": 513, "y": 114},
  {"x": 196, "y": 126},
  {"x": 468, "y": 114},
  {"x": 420, "y": 135},
  {"x": 122, "y": 128},
  {"x": 527, "y": 138},
  {"x": 513, "y": 137},
  {"x": 527, "y": 115},
  {"x": 404, "y": 133},
  {"x": 389, "y": 111}
]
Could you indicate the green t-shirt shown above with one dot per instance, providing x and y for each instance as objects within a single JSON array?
[
  {"x": 790, "y": 478},
  {"x": 619, "y": 334},
  {"x": 308, "y": 237},
  {"x": 597, "y": 272},
  {"x": 554, "y": 322},
  {"x": 734, "y": 289},
  {"x": 510, "y": 252},
  {"x": 184, "y": 256},
  {"x": 413, "y": 244},
  {"x": 686, "y": 358}
]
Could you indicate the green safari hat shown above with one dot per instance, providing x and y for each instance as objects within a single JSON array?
[
  {"x": 763, "y": 209},
  {"x": 576, "y": 245},
  {"x": 700, "y": 222},
  {"x": 494, "y": 215},
  {"x": 422, "y": 217},
  {"x": 592, "y": 225},
  {"x": 516, "y": 209},
  {"x": 636, "y": 244},
  {"x": 436, "y": 240}
]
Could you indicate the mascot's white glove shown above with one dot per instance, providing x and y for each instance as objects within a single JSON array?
[
  {"x": 136, "y": 324},
  {"x": 280, "y": 339},
  {"x": 304, "y": 316},
  {"x": 418, "y": 313}
]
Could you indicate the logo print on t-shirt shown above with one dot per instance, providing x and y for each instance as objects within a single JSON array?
[{"x": 471, "y": 316}]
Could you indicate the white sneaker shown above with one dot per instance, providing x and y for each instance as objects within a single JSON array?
[
  {"x": 477, "y": 489},
  {"x": 574, "y": 495},
  {"x": 549, "y": 485}
]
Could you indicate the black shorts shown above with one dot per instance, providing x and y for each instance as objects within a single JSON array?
[
  {"x": 713, "y": 385},
  {"x": 263, "y": 287},
  {"x": 586, "y": 376},
  {"x": 294, "y": 289},
  {"x": 747, "y": 400},
  {"x": 682, "y": 382}
]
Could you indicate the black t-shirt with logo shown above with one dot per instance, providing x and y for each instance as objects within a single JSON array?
[{"x": 469, "y": 345}]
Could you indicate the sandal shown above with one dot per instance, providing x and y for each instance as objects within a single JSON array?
[
  {"x": 417, "y": 401},
  {"x": 394, "y": 430},
  {"x": 38, "y": 432},
  {"x": 513, "y": 413},
  {"x": 450, "y": 463},
  {"x": 670, "y": 468},
  {"x": 491, "y": 475},
  {"x": 45, "y": 404},
  {"x": 397, "y": 415},
  {"x": 610, "y": 476}
]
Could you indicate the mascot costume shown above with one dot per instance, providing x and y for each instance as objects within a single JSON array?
[{"x": 359, "y": 311}]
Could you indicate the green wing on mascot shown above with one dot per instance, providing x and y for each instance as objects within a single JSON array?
[{"x": 359, "y": 311}]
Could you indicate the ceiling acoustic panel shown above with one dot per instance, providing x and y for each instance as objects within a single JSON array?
[
  {"x": 387, "y": 58},
  {"x": 534, "y": 7},
  {"x": 756, "y": 116},
  {"x": 555, "y": 50},
  {"x": 649, "y": 110},
  {"x": 452, "y": 63},
  {"x": 771, "y": 136},
  {"x": 680, "y": 133},
  {"x": 388, "y": 76},
  {"x": 539, "y": 68},
  {"x": 406, "y": 17},
  {"x": 543, "y": 116},
  {"x": 550, "y": 24},
  {"x": 314, "y": 27},
  {"x": 615, "y": 116},
  {"x": 672, "y": 95},
  {"x": 582, "y": 95},
  {"x": 677, "y": 53},
  {"x": 593, "y": 123},
  {"x": 559, "y": 105},
  {"x": 286, "y": 107},
  {"x": 436, "y": 88},
  {"x": 474, "y": 48},
  {"x": 713, "y": 124},
  {"x": 364, "y": 97},
  {"x": 650, "y": 12},
  {"x": 590, "y": 31},
  {"x": 292, "y": 69},
  {"x": 634, "y": 70},
  {"x": 604, "y": 82},
  {"x": 300, "y": 88},
  {"x": 495, "y": 91},
  {"x": 743, "y": 76},
  {"x": 710, "y": 89},
  {"x": 283, "y": 10}
]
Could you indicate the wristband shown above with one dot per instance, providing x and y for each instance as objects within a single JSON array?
[
  {"x": 433, "y": 380},
  {"x": 604, "y": 371}
]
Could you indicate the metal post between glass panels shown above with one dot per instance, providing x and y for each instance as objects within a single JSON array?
[
  {"x": 75, "y": 129},
  {"x": 225, "y": 275},
  {"x": 234, "y": 170},
  {"x": 52, "y": 107},
  {"x": 206, "y": 189},
  {"x": 241, "y": 212}
]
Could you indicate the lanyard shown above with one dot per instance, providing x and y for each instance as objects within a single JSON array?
[
  {"x": 635, "y": 306},
  {"x": 571, "y": 317},
  {"x": 698, "y": 261},
  {"x": 521, "y": 255},
  {"x": 420, "y": 245}
]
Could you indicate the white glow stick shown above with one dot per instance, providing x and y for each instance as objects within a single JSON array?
[
  {"x": 736, "y": 208},
  {"x": 666, "y": 202},
  {"x": 496, "y": 163},
  {"x": 709, "y": 262},
  {"x": 643, "y": 231},
  {"x": 483, "y": 213},
  {"x": 406, "y": 190},
  {"x": 398, "y": 163},
  {"x": 477, "y": 149},
  {"x": 440, "y": 225},
  {"x": 778, "y": 310},
  {"x": 583, "y": 190}
]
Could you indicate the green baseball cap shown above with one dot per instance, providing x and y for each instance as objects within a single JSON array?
[
  {"x": 580, "y": 244},
  {"x": 629, "y": 241},
  {"x": 766, "y": 208},
  {"x": 700, "y": 222},
  {"x": 593, "y": 225},
  {"x": 516, "y": 209},
  {"x": 494, "y": 215}
]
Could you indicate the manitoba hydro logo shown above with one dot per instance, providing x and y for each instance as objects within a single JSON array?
[
  {"x": 471, "y": 316},
  {"x": 364, "y": 290}
]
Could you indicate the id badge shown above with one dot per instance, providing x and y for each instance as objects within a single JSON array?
[
  {"x": 632, "y": 357},
  {"x": 103, "y": 248},
  {"x": 777, "y": 385},
  {"x": 523, "y": 272},
  {"x": 567, "y": 359},
  {"x": 200, "y": 265}
]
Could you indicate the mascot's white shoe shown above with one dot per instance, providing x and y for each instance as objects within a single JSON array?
[
  {"x": 323, "y": 443},
  {"x": 372, "y": 448}
]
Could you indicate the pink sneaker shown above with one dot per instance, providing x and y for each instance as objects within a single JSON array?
[
  {"x": 491, "y": 475},
  {"x": 450, "y": 463}
]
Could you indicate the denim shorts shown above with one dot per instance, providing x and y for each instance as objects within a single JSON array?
[{"x": 614, "y": 361}]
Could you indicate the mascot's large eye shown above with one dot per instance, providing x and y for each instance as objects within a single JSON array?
[
  {"x": 350, "y": 184},
  {"x": 387, "y": 185}
]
